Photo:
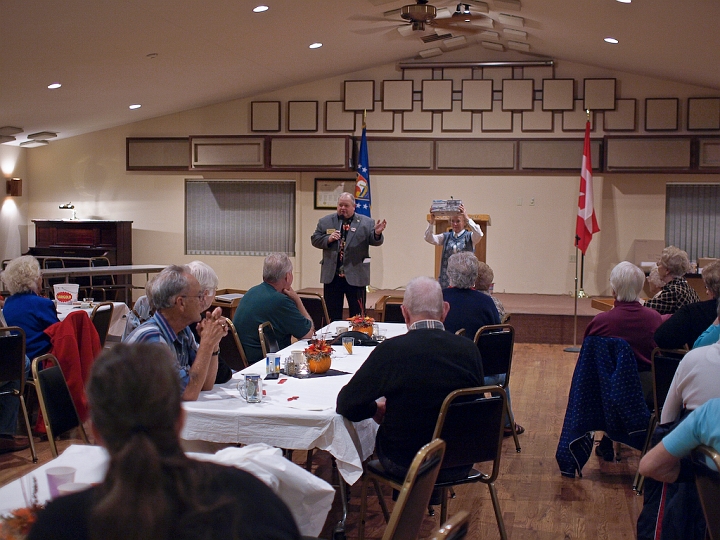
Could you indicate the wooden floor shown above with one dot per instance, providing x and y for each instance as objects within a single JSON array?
[{"x": 536, "y": 501}]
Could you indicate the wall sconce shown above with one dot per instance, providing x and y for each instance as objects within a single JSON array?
[
  {"x": 69, "y": 206},
  {"x": 13, "y": 187}
]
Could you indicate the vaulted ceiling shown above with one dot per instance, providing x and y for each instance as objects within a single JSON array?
[{"x": 174, "y": 55}]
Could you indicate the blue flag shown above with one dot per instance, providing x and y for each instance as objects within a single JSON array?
[{"x": 362, "y": 183}]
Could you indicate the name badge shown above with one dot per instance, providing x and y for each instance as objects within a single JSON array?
[
  {"x": 330, "y": 231},
  {"x": 352, "y": 229}
]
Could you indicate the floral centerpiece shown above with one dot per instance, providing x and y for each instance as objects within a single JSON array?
[
  {"x": 17, "y": 524},
  {"x": 362, "y": 323},
  {"x": 318, "y": 356}
]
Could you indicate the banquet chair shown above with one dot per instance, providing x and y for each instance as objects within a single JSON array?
[
  {"x": 471, "y": 424},
  {"x": 664, "y": 365},
  {"x": 104, "y": 285},
  {"x": 316, "y": 308},
  {"x": 268, "y": 341},
  {"x": 57, "y": 407},
  {"x": 387, "y": 309},
  {"x": 12, "y": 368},
  {"x": 495, "y": 342},
  {"x": 101, "y": 317},
  {"x": 49, "y": 263},
  {"x": 707, "y": 482},
  {"x": 455, "y": 528},
  {"x": 460, "y": 332},
  {"x": 231, "y": 350},
  {"x": 415, "y": 491}
]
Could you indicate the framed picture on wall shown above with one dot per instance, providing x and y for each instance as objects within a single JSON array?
[{"x": 327, "y": 191}]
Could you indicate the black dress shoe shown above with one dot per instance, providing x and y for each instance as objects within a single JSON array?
[
  {"x": 605, "y": 449},
  {"x": 11, "y": 443}
]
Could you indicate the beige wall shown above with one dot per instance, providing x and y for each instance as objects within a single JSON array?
[{"x": 529, "y": 247}]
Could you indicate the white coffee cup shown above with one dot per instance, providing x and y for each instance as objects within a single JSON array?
[
  {"x": 57, "y": 476},
  {"x": 73, "y": 487}
]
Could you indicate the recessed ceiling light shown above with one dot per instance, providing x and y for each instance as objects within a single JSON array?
[
  {"x": 54, "y": 85},
  {"x": 624, "y": 1},
  {"x": 33, "y": 144},
  {"x": 260, "y": 9},
  {"x": 611, "y": 40},
  {"x": 42, "y": 135},
  {"x": 315, "y": 45},
  {"x": 135, "y": 106}
]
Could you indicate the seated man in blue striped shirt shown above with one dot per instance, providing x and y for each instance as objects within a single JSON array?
[{"x": 178, "y": 299}]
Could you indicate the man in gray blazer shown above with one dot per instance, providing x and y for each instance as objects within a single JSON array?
[{"x": 345, "y": 238}]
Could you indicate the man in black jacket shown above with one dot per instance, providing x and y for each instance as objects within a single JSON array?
[
  {"x": 405, "y": 380},
  {"x": 691, "y": 320}
]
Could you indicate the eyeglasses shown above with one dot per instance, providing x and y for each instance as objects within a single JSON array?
[{"x": 198, "y": 296}]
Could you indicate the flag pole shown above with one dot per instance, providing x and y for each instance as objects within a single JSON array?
[{"x": 574, "y": 347}]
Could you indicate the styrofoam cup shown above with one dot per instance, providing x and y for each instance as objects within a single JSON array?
[
  {"x": 57, "y": 476},
  {"x": 66, "y": 293}
]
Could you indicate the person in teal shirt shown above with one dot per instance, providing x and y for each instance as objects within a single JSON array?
[{"x": 274, "y": 300}]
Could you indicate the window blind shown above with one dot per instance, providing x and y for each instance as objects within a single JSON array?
[{"x": 692, "y": 222}]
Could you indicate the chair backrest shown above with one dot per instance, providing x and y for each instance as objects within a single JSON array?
[
  {"x": 664, "y": 365},
  {"x": 56, "y": 404},
  {"x": 414, "y": 497},
  {"x": 101, "y": 316},
  {"x": 387, "y": 309},
  {"x": 455, "y": 528},
  {"x": 52, "y": 262},
  {"x": 495, "y": 343},
  {"x": 471, "y": 425},
  {"x": 12, "y": 355},
  {"x": 707, "y": 481},
  {"x": 99, "y": 281},
  {"x": 231, "y": 350},
  {"x": 268, "y": 341},
  {"x": 316, "y": 308},
  {"x": 460, "y": 332}
]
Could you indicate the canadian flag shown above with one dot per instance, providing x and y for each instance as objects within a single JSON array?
[{"x": 586, "y": 221}]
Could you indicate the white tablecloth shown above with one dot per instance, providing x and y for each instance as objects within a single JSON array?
[
  {"x": 310, "y": 421},
  {"x": 308, "y": 497},
  {"x": 117, "y": 323}
]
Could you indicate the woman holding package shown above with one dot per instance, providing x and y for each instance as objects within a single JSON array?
[{"x": 454, "y": 241}]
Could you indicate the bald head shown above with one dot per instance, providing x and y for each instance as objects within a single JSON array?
[{"x": 424, "y": 300}]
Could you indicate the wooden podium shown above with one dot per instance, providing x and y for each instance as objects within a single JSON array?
[{"x": 442, "y": 224}]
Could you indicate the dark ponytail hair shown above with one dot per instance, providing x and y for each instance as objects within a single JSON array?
[{"x": 134, "y": 397}]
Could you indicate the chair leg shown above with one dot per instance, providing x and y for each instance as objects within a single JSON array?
[
  {"x": 363, "y": 507},
  {"x": 443, "y": 505},
  {"x": 33, "y": 453},
  {"x": 498, "y": 513},
  {"x": 381, "y": 500},
  {"x": 308, "y": 461},
  {"x": 511, "y": 416},
  {"x": 638, "y": 481}
]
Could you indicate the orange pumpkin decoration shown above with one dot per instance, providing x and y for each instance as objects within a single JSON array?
[
  {"x": 364, "y": 324},
  {"x": 318, "y": 356}
]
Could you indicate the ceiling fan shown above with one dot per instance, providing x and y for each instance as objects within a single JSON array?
[{"x": 422, "y": 13}]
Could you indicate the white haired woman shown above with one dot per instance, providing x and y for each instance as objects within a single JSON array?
[
  {"x": 454, "y": 241},
  {"x": 672, "y": 267}
]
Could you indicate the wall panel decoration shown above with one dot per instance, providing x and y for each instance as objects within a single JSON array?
[
  {"x": 227, "y": 153},
  {"x": 623, "y": 118},
  {"x": 477, "y": 95},
  {"x": 558, "y": 94},
  {"x": 153, "y": 154},
  {"x": 665, "y": 153},
  {"x": 576, "y": 119},
  {"x": 302, "y": 116},
  {"x": 517, "y": 95},
  {"x": 556, "y": 154},
  {"x": 437, "y": 95},
  {"x": 397, "y": 95},
  {"x": 380, "y": 121},
  {"x": 417, "y": 119},
  {"x": 359, "y": 95},
  {"x": 457, "y": 119},
  {"x": 709, "y": 155},
  {"x": 417, "y": 76},
  {"x": 478, "y": 154},
  {"x": 457, "y": 76},
  {"x": 497, "y": 75},
  {"x": 599, "y": 94},
  {"x": 703, "y": 113},
  {"x": 337, "y": 118},
  {"x": 537, "y": 119},
  {"x": 661, "y": 114},
  {"x": 497, "y": 119},
  {"x": 401, "y": 154},
  {"x": 310, "y": 152},
  {"x": 265, "y": 116}
]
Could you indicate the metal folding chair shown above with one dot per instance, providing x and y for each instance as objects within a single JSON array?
[
  {"x": 231, "y": 350},
  {"x": 707, "y": 482},
  {"x": 387, "y": 309},
  {"x": 316, "y": 307},
  {"x": 101, "y": 317},
  {"x": 268, "y": 341}
]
